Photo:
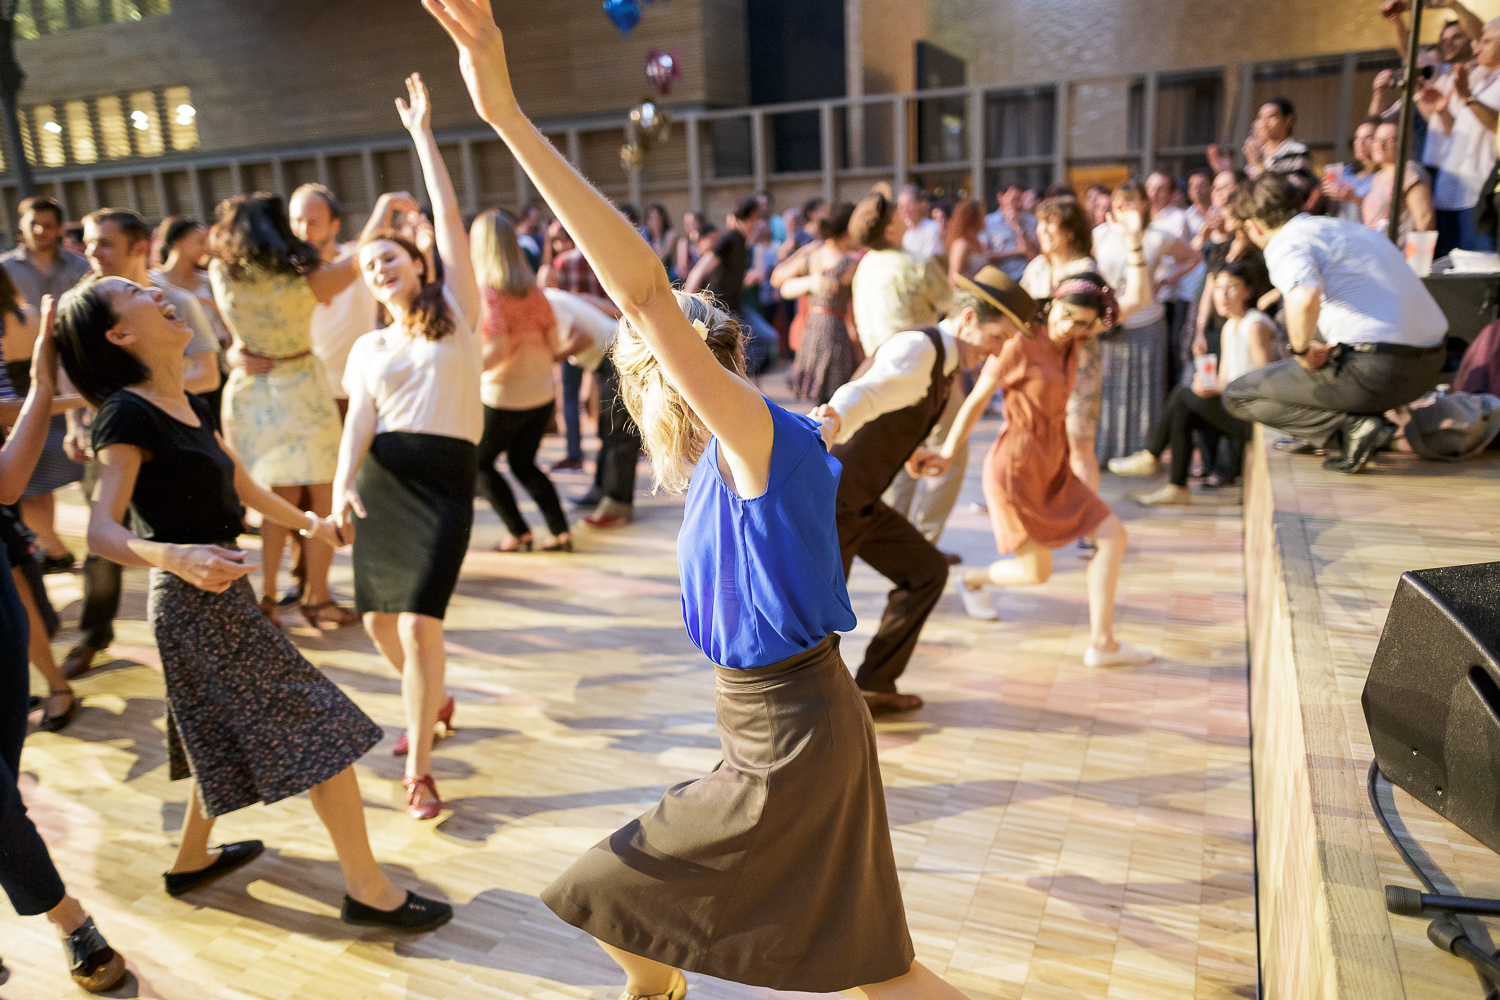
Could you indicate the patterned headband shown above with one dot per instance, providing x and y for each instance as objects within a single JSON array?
[{"x": 1110, "y": 314}]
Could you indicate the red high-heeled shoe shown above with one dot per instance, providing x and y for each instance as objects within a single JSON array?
[
  {"x": 445, "y": 719},
  {"x": 415, "y": 807}
]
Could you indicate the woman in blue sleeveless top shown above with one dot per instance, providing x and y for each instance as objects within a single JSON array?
[{"x": 775, "y": 870}]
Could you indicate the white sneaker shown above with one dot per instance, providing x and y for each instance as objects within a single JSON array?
[
  {"x": 1126, "y": 656},
  {"x": 1165, "y": 495},
  {"x": 1142, "y": 463},
  {"x": 977, "y": 603}
]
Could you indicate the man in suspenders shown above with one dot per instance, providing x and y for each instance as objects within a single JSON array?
[{"x": 873, "y": 425}]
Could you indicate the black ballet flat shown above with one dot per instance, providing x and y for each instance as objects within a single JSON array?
[
  {"x": 56, "y": 723},
  {"x": 417, "y": 915},
  {"x": 231, "y": 856}
]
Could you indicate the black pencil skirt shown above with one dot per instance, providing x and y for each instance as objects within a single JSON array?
[
  {"x": 774, "y": 870},
  {"x": 418, "y": 492}
]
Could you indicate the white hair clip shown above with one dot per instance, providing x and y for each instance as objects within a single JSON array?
[{"x": 702, "y": 329}]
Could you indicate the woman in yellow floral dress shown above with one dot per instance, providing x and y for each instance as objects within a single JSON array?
[{"x": 279, "y": 415}]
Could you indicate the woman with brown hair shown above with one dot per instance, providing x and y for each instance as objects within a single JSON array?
[
  {"x": 827, "y": 355},
  {"x": 279, "y": 416},
  {"x": 776, "y": 870},
  {"x": 409, "y": 456},
  {"x": 519, "y": 392},
  {"x": 961, "y": 240},
  {"x": 1066, "y": 237}
]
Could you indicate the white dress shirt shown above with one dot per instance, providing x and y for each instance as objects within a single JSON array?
[
  {"x": 1370, "y": 294},
  {"x": 925, "y": 239},
  {"x": 574, "y": 315},
  {"x": 1173, "y": 222},
  {"x": 346, "y": 317},
  {"x": 1471, "y": 147},
  {"x": 900, "y": 376}
]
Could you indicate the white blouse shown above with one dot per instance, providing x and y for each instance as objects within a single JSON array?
[{"x": 417, "y": 385}]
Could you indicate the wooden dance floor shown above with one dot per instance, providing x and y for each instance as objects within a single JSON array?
[{"x": 1061, "y": 832}]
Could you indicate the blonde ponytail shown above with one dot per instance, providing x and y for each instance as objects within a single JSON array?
[{"x": 673, "y": 435}]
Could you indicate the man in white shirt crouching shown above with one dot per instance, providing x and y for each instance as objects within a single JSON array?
[{"x": 1366, "y": 335}]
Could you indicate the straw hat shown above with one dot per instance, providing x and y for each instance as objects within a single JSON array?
[{"x": 1003, "y": 292}]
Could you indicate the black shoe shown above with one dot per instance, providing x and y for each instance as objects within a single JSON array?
[
  {"x": 1087, "y": 549},
  {"x": 417, "y": 915},
  {"x": 1361, "y": 436},
  {"x": 231, "y": 856},
  {"x": 56, "y": 723},
  {"x": 589, "y": 499},
  {"x": 59, "y": 564}
]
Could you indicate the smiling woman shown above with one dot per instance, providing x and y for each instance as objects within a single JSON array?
[{"x": 250, "y": 720}]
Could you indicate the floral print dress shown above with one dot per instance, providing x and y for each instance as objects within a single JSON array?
[{"x": 284, "y": 426}]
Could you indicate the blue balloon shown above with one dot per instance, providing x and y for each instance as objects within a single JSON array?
[{"x": 625, "y": 13}]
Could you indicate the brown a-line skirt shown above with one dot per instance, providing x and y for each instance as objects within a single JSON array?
[{"x": 774, "y": 870}]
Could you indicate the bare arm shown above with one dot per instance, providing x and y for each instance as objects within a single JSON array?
[
  {"x": 359, "y": 432},
  {"x": 958, "y": 256},
  {"x": 1184, "y": 256},
  {"x": 1205, "y": 306},
  {"x": 332, "y": 277},
  {"x": 974, "y": 407},
  {"x": 23, "y": 448},
  {"x": 698, "y": 276},
  {"x": 1419, "y": 203},
  {"x": 795, "y": 266},
  {"x": 631, "y": 273},
  {"x": 447, "y": 217},
  {"x": 1139, "y": 291}
]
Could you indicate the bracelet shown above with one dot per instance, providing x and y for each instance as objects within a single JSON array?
[
  {"x": 312, "y": 526},
  {"x": 1296, "y": 353}
]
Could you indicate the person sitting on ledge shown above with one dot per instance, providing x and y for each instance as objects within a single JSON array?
[{"x": 1366, "y": 336}]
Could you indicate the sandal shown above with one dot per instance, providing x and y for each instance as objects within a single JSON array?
[
  {"x": 559, "y": 544},
  {"x": 328, "y": 615},
  {"x": 269, "y": 609},
  {"x": 55, "y": 723}
]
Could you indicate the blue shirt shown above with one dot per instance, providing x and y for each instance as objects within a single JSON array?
[{"x": 762, "y": 579}]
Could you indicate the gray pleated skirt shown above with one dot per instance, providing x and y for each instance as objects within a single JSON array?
[
  {"x": 774, "y": 870},
  {"x": 1133, "y": 373}
]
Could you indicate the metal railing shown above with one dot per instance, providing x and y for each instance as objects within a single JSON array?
[{"x": 711, "y": 155}]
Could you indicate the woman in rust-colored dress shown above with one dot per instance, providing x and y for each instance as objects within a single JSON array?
[{"x": 1036, "y": 502}]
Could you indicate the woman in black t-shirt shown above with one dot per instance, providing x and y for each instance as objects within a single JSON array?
[{"x": 248, "y": 717}]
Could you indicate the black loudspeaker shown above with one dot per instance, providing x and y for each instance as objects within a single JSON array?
[
  {"x": 1432, "y": 700},
  {"x": 1470, "y": 301}
]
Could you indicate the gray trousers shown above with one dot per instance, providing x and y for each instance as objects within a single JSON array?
[
  {"x": 1312, "y": 405},
  {"x": 928, "y": 503}
]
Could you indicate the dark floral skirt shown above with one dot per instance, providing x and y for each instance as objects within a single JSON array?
[{"x": 247, "y": 715}]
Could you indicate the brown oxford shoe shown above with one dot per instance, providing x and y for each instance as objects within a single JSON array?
[
  {"x": 79, "y": 661},
  {"x": 889, "y": 702}
]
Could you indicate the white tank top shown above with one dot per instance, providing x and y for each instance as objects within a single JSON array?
[{"x": 1234, "y": 345}]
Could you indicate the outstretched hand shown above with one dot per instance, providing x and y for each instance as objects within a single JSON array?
[
  {"x": 416, "y": 115},
  {"x": 44, "y": 351},
  {"x": 481, "y": 55}
]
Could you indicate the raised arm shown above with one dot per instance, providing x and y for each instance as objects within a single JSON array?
[
  {"x": 24, "y": 446},
  {"x": 447, "y": 217},
  {"x": 630, "y": 271}
]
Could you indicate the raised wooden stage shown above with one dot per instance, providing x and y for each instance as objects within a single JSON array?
[{"x": 1323, "y": 554}]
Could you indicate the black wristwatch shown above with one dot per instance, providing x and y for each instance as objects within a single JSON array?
[{"x": 1298, "y": 354}]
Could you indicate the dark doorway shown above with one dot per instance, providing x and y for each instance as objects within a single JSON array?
[
  {"x": 942, "y": 129},
  {"x": 796, "y": 54}
]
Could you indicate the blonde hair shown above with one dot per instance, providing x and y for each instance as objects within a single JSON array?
[
  {"x": 498, "y": 260},
  {"x": 673, "y": 435}
]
